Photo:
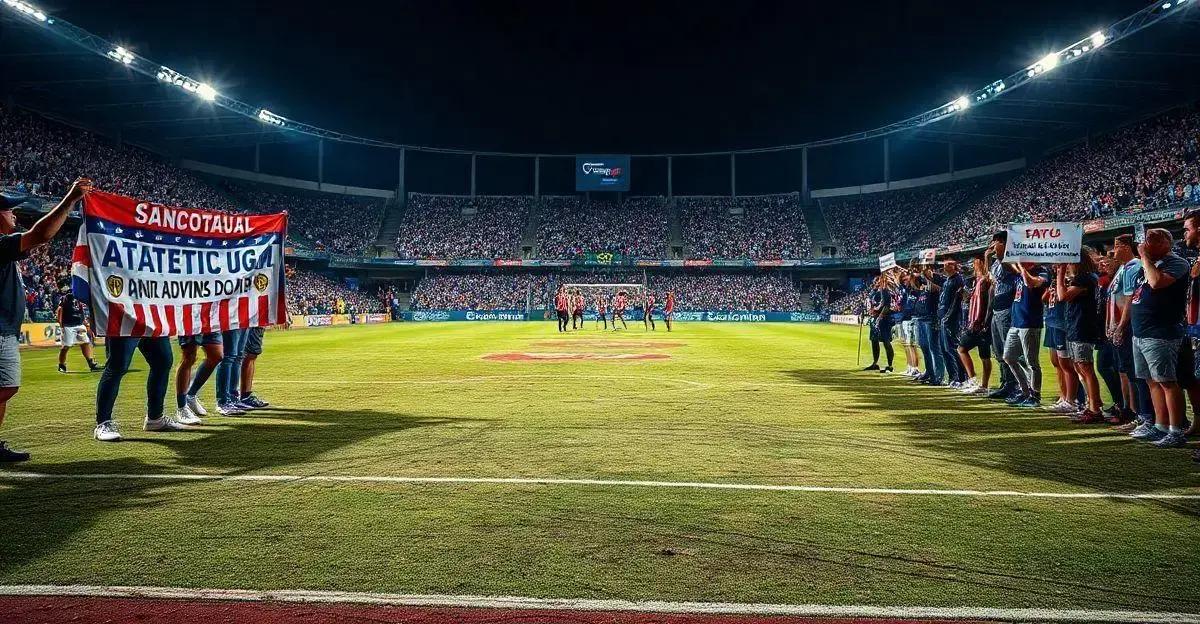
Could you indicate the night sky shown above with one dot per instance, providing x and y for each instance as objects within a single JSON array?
[{"x": 595, "y": 76}]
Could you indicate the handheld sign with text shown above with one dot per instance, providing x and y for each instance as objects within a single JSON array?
[
  {"x": 887, "y": 262},
  {"x": 150, "y": 270},
  {"x": 1044, "y": 243},
  {"x": 928, "y": 255}
]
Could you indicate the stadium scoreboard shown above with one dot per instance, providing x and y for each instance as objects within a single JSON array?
[{"x": 601, "y": 173}]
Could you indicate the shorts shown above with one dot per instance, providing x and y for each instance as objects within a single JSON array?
[
  {"x": 1081, "y": 351},
  {"x": 1055, "y": 339},
  {"x": 908, "y": 333},
  {"x": 201, "y": 340},
  {"x": 75, "y": 335},
  {"x": 254, "y": 340},
  {"x": 981, "y": 340},
  {"x": 10, "y": 362},
  {"x": 1155, "y": 359}
]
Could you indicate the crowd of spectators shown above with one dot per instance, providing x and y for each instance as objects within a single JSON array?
[
  {"x": 341, "y": 224},
  {"x": 769, "y": 227},
  {"x": 853, "y": 302},
  {"x": 766, "y": 292},
  {"x": 480, "y": 291},
  {"x": 870, "y": 225},
  {"x": 636, "y": 226},
  {"x": 42, "y": 157},
  {"x": 46, "y": 272},
  {"x": 457, "y": 226},
  {"x": 313, "y": 293},
  {"x": 1132, "y": 169}
]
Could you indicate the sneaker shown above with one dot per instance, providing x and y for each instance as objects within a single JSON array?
[
  {"x": 1030, "y": 402},
  {"x": 1061, "y": 407},
  {"x": 1015, "y": 399},
  {"x": 193, "y": 404},
  {"x": 229, "y": 409},
  {"x": 184, "y": 416},
  {"x": 107, "y": 432},
  {"x": 1000, "y": 394},
  {"x": 885, "y": 370},
  {"x": 62, "y": 368},
  {"x": 955, "y": 385},
  {"x": 94, "y": 367},
  {"x": 1129, "y": 426},
  {"x": 1087, "y": 417},
  {"x": 871, "y": 367},
  {"x": 1173, "y": 439},
  {"x": 254, "y": 402},
  {"x": 163, "y": 423},
  {"x": 1112, "y": 411},
  {"x": 969, "y": 387},
  {"x": 8, "y": 455},
  {"x": 1148, "y": 433}
]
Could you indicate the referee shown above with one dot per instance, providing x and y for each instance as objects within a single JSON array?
[{"x": 15, "y": 247}]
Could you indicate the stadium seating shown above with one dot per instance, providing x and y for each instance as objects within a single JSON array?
[
  {"x": 458, "y": 226},
  {"x": 569, "y": 226},
  {"x": 875, "y": 224},
  {"x": 771, "y": 227},
  {"x": 313, "y": 293},
  {"x": 340, "y": 224}
]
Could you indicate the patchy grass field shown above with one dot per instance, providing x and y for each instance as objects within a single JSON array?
[{"x": 730, "y": 404}]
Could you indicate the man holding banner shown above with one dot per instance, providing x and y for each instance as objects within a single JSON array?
[
  {"x": 152, "y": 272},
  {"x": 13, "y": 248}
]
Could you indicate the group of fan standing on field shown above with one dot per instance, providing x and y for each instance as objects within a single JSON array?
[
  {"x": 1127, "y": 317},
  {"x": 230, "y": 355}
]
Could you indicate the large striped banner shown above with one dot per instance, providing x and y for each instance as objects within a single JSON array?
[{"x": 152, "y": 270}]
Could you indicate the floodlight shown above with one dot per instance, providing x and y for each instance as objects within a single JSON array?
[
  {"x": 206, "y": 92},
  {"x": 1098, "y": 38},
  {"x": 1048, "y": 62},
  {"x": 27, "y": 9},
  {"x": 121, "y": 55},
  {"x": 962, "y": 102},
  {"x": 271, "y": 118}
]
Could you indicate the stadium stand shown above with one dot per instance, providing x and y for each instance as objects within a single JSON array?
[
  {"x": 1137, "y": 167},
  {"x": 770, "y": 227},
  {"x": 870, "y": 225},
  {"x": 340, "y": 224},
  {"x": 313, "y": 293},
  {"x": 456, "y": 226},
  {"x": 570, "y": 226}
]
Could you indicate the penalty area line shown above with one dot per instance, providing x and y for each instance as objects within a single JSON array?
[
  {"x": 547, "y": 481},
  {"x": 603, "y": 605}
]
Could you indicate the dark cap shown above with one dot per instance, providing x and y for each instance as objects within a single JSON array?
[{"x": 8, "y": 202}]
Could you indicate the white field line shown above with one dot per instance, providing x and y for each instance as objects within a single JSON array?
[
  {"x": 584, "y": 604},
  {"x": 274, "y": 478}
]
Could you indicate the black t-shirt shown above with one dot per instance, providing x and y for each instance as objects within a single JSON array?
[
  {"x": 1083, "y": 316},
  {"x": 1159, "y": 313},
  {"x": 12, "y": 289},
  {"x": 72, "y": 311}
]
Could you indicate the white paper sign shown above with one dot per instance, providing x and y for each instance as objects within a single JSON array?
[
  {"x": 928, "y": 255},
  {"x": 1044, "y": 243},
  {"x": 887, "y": 262}
]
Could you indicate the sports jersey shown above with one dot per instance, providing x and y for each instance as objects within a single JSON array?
[
  {"x": 1005, "y": 280},
  {"x": 620, "y": 303},
  {"x": 1159, "y": 313},
  {"x": 669, "y": 306},
  {"x": 649, "y": 303},
  {"x": 977, "y": 304},
  {"x": 560, "y": 302},
  {"x": 1027, "y": 302},
  {"x": 948, "y": 308},
  {"x": 72, "y": 311},
  {"x": 1082, "y": 316}
]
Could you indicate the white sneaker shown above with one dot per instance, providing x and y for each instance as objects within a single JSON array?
[
  {"x": 1062, "y": 407},
  {"x": 107, "y": 432},
  {"x": 184, "y": 416},
  {"x": 229, "y": 409},
  {"x": 162, "y": 424},
  {"x": 969, "y": 386},
  {"x": 193, "y": 404}
]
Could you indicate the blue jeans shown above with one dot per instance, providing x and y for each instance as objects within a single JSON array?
[
  {"x": 928, "y": 336},
  {"x": 1106, "y": 366},
  {"x": 229, "y": 371},
  {"x": 157, "y": 352},
  {"x": 954, "y": 367}
]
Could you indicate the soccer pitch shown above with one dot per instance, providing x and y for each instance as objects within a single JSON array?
[{"x": 907, "y": 495}]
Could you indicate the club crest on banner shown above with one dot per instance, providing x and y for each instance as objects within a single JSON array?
[
  {"x": 116, "y": 285},
  {"x": 261, "y": 282}
]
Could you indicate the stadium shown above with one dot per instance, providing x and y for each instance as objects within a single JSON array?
[{"x": 643, "y": 312}]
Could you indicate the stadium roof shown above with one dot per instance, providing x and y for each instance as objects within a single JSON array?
[{"x": 1152, "y": 68}]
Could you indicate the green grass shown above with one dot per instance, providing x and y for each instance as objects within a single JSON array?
[{"x": 769, "y": 404}]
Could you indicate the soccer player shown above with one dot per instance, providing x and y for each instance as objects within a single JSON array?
[
  {"x": 578, "y": 305},
  {"x": 976, "y": 332},
  {"x": 648, "y": 311},
  {"x": 669, "y": 309},
  {"x": 1025, "y": 336},
  {"x": 561, "y": 306},
  {"x": 1077, "y": 285},
  {"x": 601, "y": 310},
  {"x": 14, "y": 247},
  {"x": 188, "y": 409},
  {"x": 75, "y": 331},
  {"x": 1157, "y": 311},
  {"x": 619, "y": 304},
  {"x": 254, "y": 348}
]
